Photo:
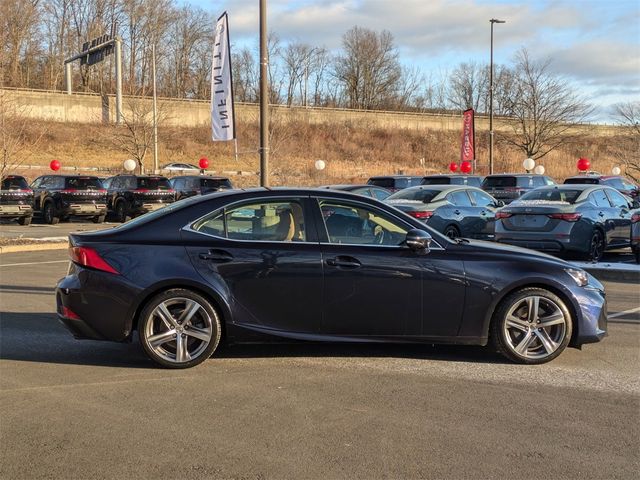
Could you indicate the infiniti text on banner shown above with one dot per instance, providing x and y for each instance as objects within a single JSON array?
[
  {"x": 222, "y": 113},
  {"x": 468, "y": 149}
]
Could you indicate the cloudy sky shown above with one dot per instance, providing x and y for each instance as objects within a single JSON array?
[{"x": 596, "y": 44}]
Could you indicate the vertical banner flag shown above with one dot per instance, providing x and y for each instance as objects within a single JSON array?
[
  {"x": 222, "y": 113},
  {"x": 468, "y": 149}
]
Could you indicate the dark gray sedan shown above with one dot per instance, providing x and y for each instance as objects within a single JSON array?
[
  {"x": 582, "y": 219},
  {"x": 372, "y": 191},
  {"x": 455, "y": 210}
]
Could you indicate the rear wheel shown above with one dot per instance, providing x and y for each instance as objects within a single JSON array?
[
  {"x": 452, "y": 232},
  {"x": 25, "y": 220},
  {"x": 531, "y": 326},
  {"x": 121, "y": 212},
  {"x": 596, "y": 247},
  {"x": 98, "y": 219},
  {"x": 179, "y": 329},
  {"x": 49, "y": 214}
]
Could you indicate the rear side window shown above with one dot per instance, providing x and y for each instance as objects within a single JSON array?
[
  {"x": 83, "y": 183},
  {"x": 215, "y": 183},
  {"x": 414, "y": 181},
  {"x": 539, "y": 182},
  {"x": 615, "y": 183},
  {"x": 459, "y": 198},
  {"x": 525, "y": 182},
  {"x": 154, "y": 183},
  {"x": 499, "y": 182},
  {"x": 382, "y": 182},
  {"x": 269, "y": 221},
  {"x": 14, "y": 183},
  {"x": 437, "y": 181}
]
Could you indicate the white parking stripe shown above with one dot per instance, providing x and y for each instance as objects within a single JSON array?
[
  {"x": 32, "y": 263},
  {"x": 623, "y": 313}
]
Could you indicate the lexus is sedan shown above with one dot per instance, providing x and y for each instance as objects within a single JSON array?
[
  {"x": 318, "y": 265},
  {"x": 568, "y": 219}
]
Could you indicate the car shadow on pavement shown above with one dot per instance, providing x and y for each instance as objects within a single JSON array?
[{"x": 39, "y": 337}]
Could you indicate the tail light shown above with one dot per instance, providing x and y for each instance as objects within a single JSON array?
[
  {"x": 66, "y": 312},
  {"x": 68, "y": 190},
  {"x": 635, "y": 218},
  {"x": 141, "y": 190},
  {"x": 567, "y": 217},
  {"x": 500, "y": 215},
  {"x": 88, "y": 257},
  {"x": 421, "y": 215}
]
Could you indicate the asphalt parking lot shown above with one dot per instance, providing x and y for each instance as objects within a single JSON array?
[{"x": 83, "y": 409}]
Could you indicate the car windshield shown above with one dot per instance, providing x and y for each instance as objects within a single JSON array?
[
  {"x": 492, "y": 182},
  {"x": 583, "y": 181},
  {"x": 382, "y": 182},
  {"x": 553, "y": 195},
  {"x": 14, "y": 183},
  {"x": 215, "y": 183},
  {"x": 154, "y": 183},
  {"x": 83, "y": 183},
  {"x": 415, "y": 195}
]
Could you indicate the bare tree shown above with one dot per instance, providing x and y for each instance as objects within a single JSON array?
[
  {"x": 368, "y": 69},
  {"x": 627, "y": 147},
  {"x": 467, "y": 85},
  {"x": 18, "y": 135},
  {"x": 544, "y": 109},
  {"x": 297, "y": 59}
]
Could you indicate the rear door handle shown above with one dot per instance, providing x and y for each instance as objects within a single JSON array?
[
  {"x": 343, "y": 262},
  {"x": 218, "y": 256}
]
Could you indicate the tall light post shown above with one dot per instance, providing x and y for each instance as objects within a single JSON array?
[
  {"x": 264, "y": 98},
  {"x": 155, "y": 108},
  {"x": 492, "y": 21}
]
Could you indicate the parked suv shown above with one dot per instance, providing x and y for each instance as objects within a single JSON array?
[
  {"x": 469, "y": 180},
  {"x": 621, "y": 184},
  {"x": 132, "y": 195},
  {"x": 508, "y": 187},
  {"x": 58, "y": 197},
  {"x": 190, "y": 185},
  {"x": 16, "y": 199},
  {"x": 395, "y": 182}
]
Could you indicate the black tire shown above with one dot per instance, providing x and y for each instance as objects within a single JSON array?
[
  {"x": 98, "y": 219},
  {"x": 636, "y": 252},
  {"x": 452, "y": 232},
  {"x": 204, "y": 322},
  {"x": 597, "y": 246},
  {"x": 536, "y": 343},
  {"x": 48, "y": 212},
  {"x": 121, "y": 212},
  {"x": 25, "y": 220}
]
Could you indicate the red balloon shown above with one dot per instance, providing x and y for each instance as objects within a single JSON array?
[
  {"x": 465, "y": 167},
  {"x": 583, "y": 164},
  {"x": 204, "y": 162},
  {"x": 453, "y": 166},
  {"x": 54, "y": 165}
]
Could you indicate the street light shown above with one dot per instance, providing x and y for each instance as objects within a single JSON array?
[{"x": 492, "y": 21}]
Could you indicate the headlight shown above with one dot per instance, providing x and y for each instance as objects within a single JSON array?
[{"x": 579, "y": 276}]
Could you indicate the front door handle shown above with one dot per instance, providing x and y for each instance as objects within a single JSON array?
[
  {"x": 343, "y": 262},
  {"x": 457, "y": 212},
  {"x": 218, "y": 256},
  {"x": 600, "y": 214}
]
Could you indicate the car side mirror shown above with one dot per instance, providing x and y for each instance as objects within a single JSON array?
[
  {"x": 499, "y": 203},
  {"x": 418, "y": 240},
  {"x": 635, "y": 203}
]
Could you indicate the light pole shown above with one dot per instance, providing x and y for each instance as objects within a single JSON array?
[
  {"x": 264, "y": 98},
  {"x": 155, "y": 109},
  {"x": 492, "y": 21}
]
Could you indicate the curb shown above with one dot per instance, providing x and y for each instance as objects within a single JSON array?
[{"x": 33, "y": 247}]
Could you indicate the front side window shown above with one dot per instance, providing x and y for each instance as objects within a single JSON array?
[
  {"x": 358, "y": 225},
  {"x": 617, "y": 199},
  {"x": 599, "y": 199},
  {"x": 459, "y": 198},
  {"x": 481, "y": 199},
  {"x": 269, "y": 221}
]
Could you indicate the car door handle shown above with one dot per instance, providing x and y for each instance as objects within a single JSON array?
[
  {"x": 600, "y": 214},
  {"x": 218, "y": 256},
  {"x": 344, "y": 262},
  {"x": 457, "y": 212}
]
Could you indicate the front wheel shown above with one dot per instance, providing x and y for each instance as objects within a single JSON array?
[
  {"x": 98, "y": 219},
  {"x": 531, "y": 326},
  {"x": 179, "y": 329},
  {"x": 49, "y": 214},
  {"x": 452, "y": 232}
]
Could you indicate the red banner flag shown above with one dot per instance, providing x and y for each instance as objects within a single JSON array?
[{"x": 468, "y": 149}]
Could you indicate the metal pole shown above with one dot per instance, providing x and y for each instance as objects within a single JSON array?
[
  {"x": 67, "y": 76},
  {"x": 492, "y": 21},
  {"x": 264, "y": 98},
  {"x": 118, "y": 80},
  {"x": 155, "y": 109}
]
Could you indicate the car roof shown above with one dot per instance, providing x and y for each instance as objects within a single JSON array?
[
  {"x": 575, "y": 186},
  {"x": 211, "y": 177},
  {"x": 394, "y": 176},
  {"x": 447, "y": 175},
  {"x": 443, "y": 188},
  {"x": 514, "y": 175},
  {"x": 347, "y": 186}
]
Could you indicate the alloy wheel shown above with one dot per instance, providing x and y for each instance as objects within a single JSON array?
[
  {"x": 178, "y": 330},
  {"x": 596, "y": 248},
  {"x": 535, "y": 327}
]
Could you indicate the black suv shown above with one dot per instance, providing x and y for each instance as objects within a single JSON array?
[
  {"x": 190, "y": 185},
  {"x": 614, "y": 181},
  {"x": 131, "y": 195},
  {"x": 395, "y": 182},
  {"x": 469, "y": 180},
  {"x": 58, "y": 197},
  {"x": 510, "y": 186},
  {"x": 16, "y": 199}
]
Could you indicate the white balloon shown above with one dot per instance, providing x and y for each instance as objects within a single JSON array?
[
  {"x": 320, "y": 164},
  {"x": 616, "y": 170},
  {"x": 129, "y": 165},
  {"x": 539, "y": 169},
  {"x": 529, "y": 163}
]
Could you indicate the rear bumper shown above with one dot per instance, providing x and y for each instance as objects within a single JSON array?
[
  {"x": 141, "y": 209},
  {"x": 81, "y": 209},
  {"x": 16, "y": 211},
  {"x": 552, "y": 242}
]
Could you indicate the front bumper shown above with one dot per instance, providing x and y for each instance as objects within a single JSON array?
[{"x": 592, "y": 319}]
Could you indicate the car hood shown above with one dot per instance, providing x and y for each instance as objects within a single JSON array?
[{"x": 513, "y": 250}]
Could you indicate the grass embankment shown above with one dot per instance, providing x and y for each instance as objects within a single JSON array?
[{"x": 352, "y": 152}]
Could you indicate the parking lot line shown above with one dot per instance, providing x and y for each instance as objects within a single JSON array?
[
  {"x": 32, "y": 263},
  {"x": 624, "y": 313}
]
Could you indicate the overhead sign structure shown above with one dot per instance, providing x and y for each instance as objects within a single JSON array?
[
  {"x": 93, "y": 55},
  {"x": 222, "y": 112},
  {"x": 468, "y": 148}
]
